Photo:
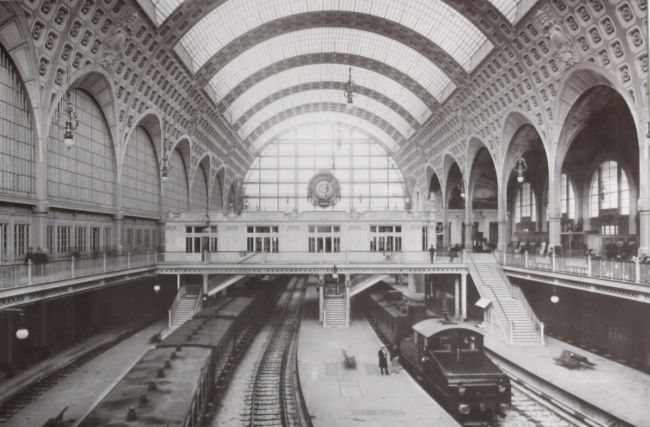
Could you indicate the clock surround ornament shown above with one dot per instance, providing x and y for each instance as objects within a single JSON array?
[{"x": 324, "y": 190}]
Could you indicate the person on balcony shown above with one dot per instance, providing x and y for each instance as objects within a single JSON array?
[
  {"x": 29, "y": 256},
  {"x": 432, "y": 253}
]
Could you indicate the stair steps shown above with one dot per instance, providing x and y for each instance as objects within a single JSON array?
[
  {"x": 525, "y": 329},
  {"x": 335, "y": 316}
]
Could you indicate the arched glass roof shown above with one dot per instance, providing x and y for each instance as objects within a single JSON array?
[
  {"x": 318, "y": 117},
  {"x": 433, "y": 19},
  {"x": 325, "y": 95},
  {"x": 340, "y": 40},
  {"x": 328, "y": 73},
  {"x": 160, "y": 10}
]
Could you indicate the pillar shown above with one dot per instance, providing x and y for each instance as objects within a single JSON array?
[
  {"x": 205, "y": 284},
  {"x": 469, "y": 223},
  {"x": 119, "y": 231},
  {"x": 463, "y": 296},
  {"x": 348, "y": 284},
  {"x": 321, "y": 298},
  {"x": 39, "y": 226},
  {"x": 644, "y": 225},
  {"x": 457, "y": 297}
]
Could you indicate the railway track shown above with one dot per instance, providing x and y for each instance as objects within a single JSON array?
[
  {"x": 273, "y": 396},
  {"x": 537, "y": 402},
  {"x": 33, "y": 391}
]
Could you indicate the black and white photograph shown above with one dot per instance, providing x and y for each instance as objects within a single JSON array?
[{"x": 324, "y": 213}]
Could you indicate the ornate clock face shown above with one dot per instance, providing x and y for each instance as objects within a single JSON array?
[{"x": 324, "y": 190}]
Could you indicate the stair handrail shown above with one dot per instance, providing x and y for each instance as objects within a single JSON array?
[
  {"x": 516, "y": 293},
  {"x": 170, "y": 314},
  {"x": 502, "y": 316},
  {"x": 198, "y": 302}
]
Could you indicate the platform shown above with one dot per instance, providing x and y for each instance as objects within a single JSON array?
[
  {"x": 339, "y": 397},
  {"x": 87, "y": 385},
  {"x": 611, "y": 386},
  {"x": 621, "y": 391}
]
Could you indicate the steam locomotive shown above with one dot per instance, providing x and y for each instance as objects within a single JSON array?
[{"x": 448, "y": 357}]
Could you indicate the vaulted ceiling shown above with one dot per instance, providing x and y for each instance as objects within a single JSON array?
[{"x": 271, "y": 65}]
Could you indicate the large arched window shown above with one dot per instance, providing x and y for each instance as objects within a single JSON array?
[
  {"x": 609, "y": 193},
  {"x": 141, "y": 183},
  {"x": 85, "y": 173},
  {"x": 567, "y": 198},
  {"x": 279, "y": 178},
  {"x": 17, "y": 145},
  {"x": 525, "y": 204}
]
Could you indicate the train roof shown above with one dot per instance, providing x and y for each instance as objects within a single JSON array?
[
  {"x": 168, "y": 404},
  {"x": 396, "y": 308},
  {"x": 431, "y": 327},
  {"x": 206, "y": 332},
  {"x": 236, "y": 306},
  {"x": 214, "y": 309}
]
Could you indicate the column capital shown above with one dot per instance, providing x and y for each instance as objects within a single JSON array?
[{"x": 119, "y": 216}]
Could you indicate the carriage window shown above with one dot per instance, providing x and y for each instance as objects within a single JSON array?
[
  {"x": 468, "y": 343},
  {"x": 444, "y": 344}
]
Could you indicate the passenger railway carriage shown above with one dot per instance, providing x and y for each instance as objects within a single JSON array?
[{"x": 171, "y": 384}]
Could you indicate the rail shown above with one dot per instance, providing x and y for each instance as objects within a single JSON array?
[
  {"x": 623, "y": 271},
  {"x": 17, "y": 275},
  {"x": 506, "y": 325}
]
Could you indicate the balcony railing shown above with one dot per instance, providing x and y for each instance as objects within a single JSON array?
[
  {"x": 16, "y": 275},
  {"x": 302, "y": 257},
  {"x": 624, "y": 271}
]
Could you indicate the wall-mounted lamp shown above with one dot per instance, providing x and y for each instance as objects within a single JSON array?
[
  {"x": 22, "y": 333},
  {"x": 520, "y": 169},
  {"x": 461, "y": 188}
]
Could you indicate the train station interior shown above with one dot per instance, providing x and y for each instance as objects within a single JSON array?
[{"x": 481, "y": 163}]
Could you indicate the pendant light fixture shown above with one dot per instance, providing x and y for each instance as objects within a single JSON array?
[{"x": 72, "y": 122}]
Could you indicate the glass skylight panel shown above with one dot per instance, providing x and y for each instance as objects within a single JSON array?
[
  {"x": 329, "y": 73},
  {"x": 161, "y": 8},
  {"x": 509, "y": 8},
  {"x": 323, "y": 117},
  {"x": 340, "y": 40},
  {"x": 325, "y": 95},
  {"x": 433, "y": 19}
]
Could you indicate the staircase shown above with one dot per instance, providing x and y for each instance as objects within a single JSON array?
[
  {"x": 361, "y": 282},
  {"x": 518, "y": 323},
  {"x": 186, "y": 304},
  {"x": 334, "y": 312}
]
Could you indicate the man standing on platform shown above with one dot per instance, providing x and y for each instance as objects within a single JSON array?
[{"x": 383, "y": 360}]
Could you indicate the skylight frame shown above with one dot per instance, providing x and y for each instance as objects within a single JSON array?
[
  {"x": 328, "y": 39},
  {"x": 377, "y": 133},
  {"x": 330, "y": 96},
  {"x": 433, "y": 19},
  {"x": 313, "y": 73}
]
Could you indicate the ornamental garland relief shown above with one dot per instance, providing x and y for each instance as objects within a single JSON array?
[{"x": 117, "y": 42}]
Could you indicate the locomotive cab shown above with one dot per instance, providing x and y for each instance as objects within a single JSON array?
[{"x": 452, "y": 360}]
